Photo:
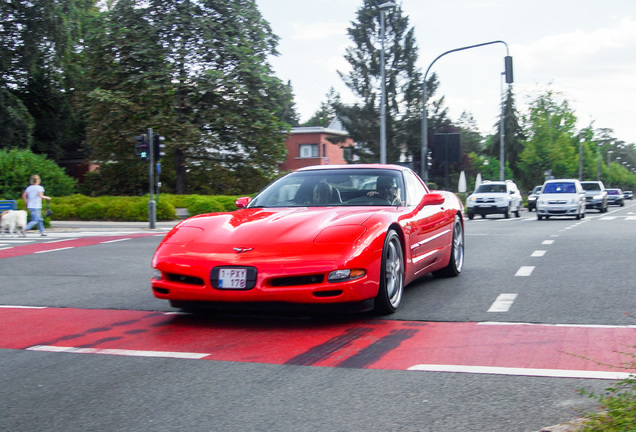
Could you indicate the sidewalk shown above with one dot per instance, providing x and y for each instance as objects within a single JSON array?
[{"x": 69, "y": 226}]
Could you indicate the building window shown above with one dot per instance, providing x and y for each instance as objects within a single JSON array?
[{"x": 308, "y": 150}]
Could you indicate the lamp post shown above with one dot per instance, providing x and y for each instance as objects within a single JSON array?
[
  {"x": 609, "y": 170},
  {"x": 424, "y": 149},
  {"x": 383, "y": 7}
]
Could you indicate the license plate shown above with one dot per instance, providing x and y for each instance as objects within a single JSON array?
[{"x": 233, "y": 278}]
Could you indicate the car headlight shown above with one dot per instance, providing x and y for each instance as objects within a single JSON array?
[{"x": 472, "y": 198}]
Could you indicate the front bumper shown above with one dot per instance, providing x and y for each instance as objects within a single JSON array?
[
  {"x": 486, "y": 209},
  {"x": 594, "y": 204},
  {"x": 557, "y": 210}
]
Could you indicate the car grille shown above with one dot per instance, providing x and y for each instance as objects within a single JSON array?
[
  {"x": 557, "y": 202},
  {"x": 485, "y": 200},
  {"x": 297, "y": 280}
]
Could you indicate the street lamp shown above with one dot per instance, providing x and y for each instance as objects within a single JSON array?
[
  {"x": 424, "y": 149},
  {"x": 383, "y": 7},
  {"x": 609, "y": 170}
]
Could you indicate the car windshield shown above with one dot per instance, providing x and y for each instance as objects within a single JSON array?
[
  {"x": 612, "y": 191},
  {"x": 334, "y": 187},
  {"x": 537, "y": 189},
  {"x": 555, "y": 188},
  {"x": 591, "y": 186},
  {"x": 490, "y": 188}
]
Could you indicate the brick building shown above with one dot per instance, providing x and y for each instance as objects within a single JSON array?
[{"x": 308, "y": 146}]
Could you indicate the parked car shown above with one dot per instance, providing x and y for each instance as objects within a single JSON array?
[
  {"x": 532, "y": 197},
  {"x": 615, "y": 197},
  {"x": 628, "y": 194},
  {"x": 564, "y": 197},
  {"x": 316, "y": 236},
  {"x": 595, "y": 195},
  {"x": 494, "y": 197}
]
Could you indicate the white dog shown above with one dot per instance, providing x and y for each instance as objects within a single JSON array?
[{"x": 13, "y": 219}]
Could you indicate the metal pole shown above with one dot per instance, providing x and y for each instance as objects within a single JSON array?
[
  {"x": 152, "y": 205},
  {"x": 383, "y": 96},
  {"x": 502, "y": 174},
  {"x": 424, "y": 149}
]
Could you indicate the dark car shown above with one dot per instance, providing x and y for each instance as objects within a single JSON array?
[
  {"x": 532, "y": 198},
  {"x": 615, "y": 197}
]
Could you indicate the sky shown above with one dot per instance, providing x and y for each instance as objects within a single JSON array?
[{"x": 583, "y": 49}]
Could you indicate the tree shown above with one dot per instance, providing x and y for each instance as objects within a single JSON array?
[
  {"x": 514, "y": 137},
  {"x": 197, "y": 72},
  {"x": 553, "y": 143},
  {"x": 39, "y": 75},
  {"x": 403, "y": 81},
  {"x": 327, "y": 111}
]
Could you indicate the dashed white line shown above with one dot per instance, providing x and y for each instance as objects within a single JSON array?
[
  {"x": 503, "y": 303},
  {"x": 547, "y": 242},
  {"x": 525, "y": 271},
  {"x": 538, "y": 253}
]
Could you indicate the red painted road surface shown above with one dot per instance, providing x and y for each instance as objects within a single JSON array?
[
  {"x": 519, "y": 349},
  {"x": 48, "y": 246}
]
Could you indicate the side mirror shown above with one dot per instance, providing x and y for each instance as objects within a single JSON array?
[
  {"x": 432, "y": 199},
  {"x": 242, "y": 202}
]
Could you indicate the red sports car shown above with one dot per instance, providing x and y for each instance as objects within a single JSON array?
[{"x": 348, "y": 235}]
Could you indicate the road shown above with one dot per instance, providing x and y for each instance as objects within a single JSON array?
[{"x": 503, "y": 347}]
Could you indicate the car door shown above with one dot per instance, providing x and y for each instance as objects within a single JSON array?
[{"x": 429, "y": 227}]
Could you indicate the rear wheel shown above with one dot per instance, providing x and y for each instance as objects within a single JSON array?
[
  {"x": 391, "y": 275},
  {"x": 456, "y": 261}
]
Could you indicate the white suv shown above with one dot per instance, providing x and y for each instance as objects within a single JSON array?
[
  {"x": 561, "y": 198},
  {"x": 494, "y": 197}
]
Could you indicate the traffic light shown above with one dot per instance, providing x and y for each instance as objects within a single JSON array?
[
  {"x": 508, "y": 69},
  {"x": 158, "y": 146},
  {"x": 141, "y": 147}
]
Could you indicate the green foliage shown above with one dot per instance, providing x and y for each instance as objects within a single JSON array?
[
  {"x": 617, "y": 405},
  {"x": 403, "y": 81},
  {"x": 144, "y": 61},
  {"x": 17, "y": 166}
]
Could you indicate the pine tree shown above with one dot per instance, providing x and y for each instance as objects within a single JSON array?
[
  {"x": 403, "y": 81},
  {"x": 514, "y": 136}
]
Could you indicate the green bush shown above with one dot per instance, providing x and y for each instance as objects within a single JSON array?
[
  {"x": 201, "y": 205},
  {"x": 17, "y": 166}
]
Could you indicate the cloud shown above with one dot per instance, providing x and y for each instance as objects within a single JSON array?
[
  {"x": 606, "y": 45},
  {"x": 318, "y": 30}
]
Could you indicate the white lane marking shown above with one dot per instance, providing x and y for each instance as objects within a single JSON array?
[
  {"x": 630, "y": 218},
  {"x": 547, "y": 242},
  {"x": 608, "y": 218},
  {"x": 54, "y": 250},
  {"x": 122, "y": 352},
  {"x": 553, "y": 373},
  {"x": 115, "y": 241},
  {"x": 525, "y": 271},
  {"x": 538, "y": 253},
  {"x": 604, "y": 326},
  {"x": 22, "y": 307},
  {"x": 503, "y": 303}
]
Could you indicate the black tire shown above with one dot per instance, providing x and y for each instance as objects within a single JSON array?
[
  {"x": 456, "y": 261},
  {"x": 507, "y": 213},
  {"x": 471, "y": 216},
  {"x": 391, "y": 275},
  {"x": 539, "y": 217}
]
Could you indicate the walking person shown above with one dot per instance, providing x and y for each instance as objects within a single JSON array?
[{"x": 33, "y": 196}]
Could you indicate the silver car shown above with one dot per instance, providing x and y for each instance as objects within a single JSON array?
[
  {"x": 595, "y": 195},
  {"x": 564, "y": 197}
]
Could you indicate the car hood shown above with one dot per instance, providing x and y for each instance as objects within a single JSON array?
[{"x": 245, "y": 228}]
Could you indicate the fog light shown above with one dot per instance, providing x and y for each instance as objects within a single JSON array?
[{"x": 156, "y": 274}]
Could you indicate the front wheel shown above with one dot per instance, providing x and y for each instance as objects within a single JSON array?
[
  {"x": 456, "y": 261},
  {"x": 391, "y": 275}
]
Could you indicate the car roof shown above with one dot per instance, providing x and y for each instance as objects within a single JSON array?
[{"x": 353, "y": 166}]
